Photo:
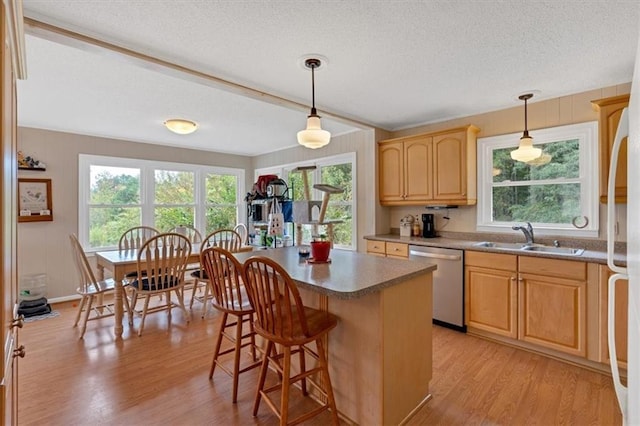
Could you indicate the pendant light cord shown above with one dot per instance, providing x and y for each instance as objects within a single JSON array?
[{"x": 313, "y": 89}]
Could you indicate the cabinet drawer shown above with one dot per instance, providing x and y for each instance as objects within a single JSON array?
[
  {"x": 376, "y": 247},
  {"x": 397, "y": 249},
  {"x": 505, "y": 262},
  {"x": 557, "y": 268}
]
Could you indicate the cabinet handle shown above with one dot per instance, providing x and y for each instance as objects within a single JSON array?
[
  {"x": 520, "y": 279},
  {"x": 19, "y": 352},
  {"x": 513, "y": 279},
  {"x": 18, "y": 322}
]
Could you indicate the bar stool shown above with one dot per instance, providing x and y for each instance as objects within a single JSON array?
[
  {"x": 282, "y": 319},
  {"x": 229, "y": 297}
]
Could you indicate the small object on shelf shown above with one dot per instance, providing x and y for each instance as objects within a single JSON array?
[{"x": 26, "y": 162}]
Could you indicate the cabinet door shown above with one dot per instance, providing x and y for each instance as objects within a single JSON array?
[
  {"x": 391, "y": 171},
  {"x": 491, "y": 300},
  {"x": 450, "y": 166},
  {"x": 553, "y": 313},
  {"x": 610, "y": 110},
  {"x": 419, "y": 160},
  {"x": 621, "y": 311}
]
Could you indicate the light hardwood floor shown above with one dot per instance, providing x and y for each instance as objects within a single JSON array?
[{"x": 162, "y": 378}]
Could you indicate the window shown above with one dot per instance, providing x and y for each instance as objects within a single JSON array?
[
  {"x": 557, "y": 193},
  {"x": 337, "y": 171},
  {"x": 118, "y": 193}
]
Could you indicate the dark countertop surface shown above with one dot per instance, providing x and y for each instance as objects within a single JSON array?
[{"x": 595, "y": 250}]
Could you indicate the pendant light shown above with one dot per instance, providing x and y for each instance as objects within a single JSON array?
[
  {"x": 313, "y": 136},
  {"x": 526, "y": 152}
]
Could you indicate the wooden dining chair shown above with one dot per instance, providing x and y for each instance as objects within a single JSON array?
[
  {"x": 230, "y": 298},
  {"x": 282, "y": 319},
  {"x": 161, "y": 265},
  {"x": 188, "y": 231},
  {"x": 242, "y": 230},
  {"x": 227, "y": 239},
  {"x": 134, "y": 238},
  {"x": 92, "y": 305}
]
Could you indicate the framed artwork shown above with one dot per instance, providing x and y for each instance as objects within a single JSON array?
[{"x": 34, "y": 200}]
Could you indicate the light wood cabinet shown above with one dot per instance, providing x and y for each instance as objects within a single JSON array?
[
  {"x": 553, "y": 304},
  {"x": 621, "y": 311},
  {"x": 389, "y": 249},
  {"x": 532, "y": 299},
  {"x": 610, "y": 110},
  {"x": 491, "y": 300},
  {"x": 428, "y": 169}
]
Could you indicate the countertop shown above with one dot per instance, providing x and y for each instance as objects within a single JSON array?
[
  {"x": 595, "y": 250},
  {"x": 349, "y": 275}
]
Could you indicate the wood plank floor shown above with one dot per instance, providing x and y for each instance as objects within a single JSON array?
[{"x": 162, "y": 378}]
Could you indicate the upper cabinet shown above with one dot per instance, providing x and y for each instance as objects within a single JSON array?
[
  {"x": 610, "y": 110},
  {"x": 429, "y": 169}
]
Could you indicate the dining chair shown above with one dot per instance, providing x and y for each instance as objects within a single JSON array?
[
  {"x": 133, "y": 238},
  {"x": 90, "y": 290},
  {"x": 230, "y": 298},
  {"x": 161, "y": 265},
  {"x": 227, "y": 239},
  {"x": 242, "y": 230},
  {"x": 188, "y": 231},
  {"x": 282, "y": 319}
]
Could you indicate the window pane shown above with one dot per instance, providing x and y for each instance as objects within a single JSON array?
[
  {"x": 296, "y": 185},
  {"x": 339, "y": 175},
  {"x": 537, "y": 203},
  {"x": 221, "y": 189},
  {"x": 341, "y": 231},
  {"x": 563, "y": 162},
  {"x": 107, "y": 224},
  {"x": 174, "y": 187},
  {"x": 114, "y": 185},
  {"x": 168, "y": 217},
  {"x": 221, "y": 218}
]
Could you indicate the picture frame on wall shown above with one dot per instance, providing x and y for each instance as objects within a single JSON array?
[{"x": 34, "y": 200}]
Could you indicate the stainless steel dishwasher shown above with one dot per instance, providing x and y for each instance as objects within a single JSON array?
[{"x": 448, "y": 285}]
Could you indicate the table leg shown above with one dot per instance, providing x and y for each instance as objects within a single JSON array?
[{"x": 117, "y": 302}]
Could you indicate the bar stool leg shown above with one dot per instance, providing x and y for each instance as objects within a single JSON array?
[
  {"x": 236, "y": 358},
  {"x": 263, "y": 376},
  {"x": 322, "y": 360},
  {"x": 286, "y": 381},
  {"x": 216, "y": 351}
]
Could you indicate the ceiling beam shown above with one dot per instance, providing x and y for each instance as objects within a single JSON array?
[{"x": 90, "y": 44}]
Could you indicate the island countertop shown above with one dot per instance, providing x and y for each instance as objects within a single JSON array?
[{"x": 349, "y": 274}]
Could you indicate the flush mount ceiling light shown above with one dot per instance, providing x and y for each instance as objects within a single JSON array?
[
  {"x": 526, "y": 152},
  {"x": 181, "y": 126},
  {"x": 313, "y": 136}
]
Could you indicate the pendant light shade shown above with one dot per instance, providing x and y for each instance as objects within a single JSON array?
[
  {"x": 313, "y": 136},
  {"x": 526, "y": 152}
]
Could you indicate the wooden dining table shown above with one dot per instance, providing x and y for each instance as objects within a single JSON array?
[{"x": 122, "y": 262}]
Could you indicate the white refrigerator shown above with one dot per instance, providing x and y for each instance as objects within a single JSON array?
[{"x": 628, "y": 396}]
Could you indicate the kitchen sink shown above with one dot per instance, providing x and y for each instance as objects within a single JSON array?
[
  {"x": 555, "y": 250},
  {"x": 502, "y": 246},
  {"x": 566, "y": 251}
]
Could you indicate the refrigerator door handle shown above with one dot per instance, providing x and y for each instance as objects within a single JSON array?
[
  {"x": 621, "y": 133},
  {"x": 621, "y": 391}
]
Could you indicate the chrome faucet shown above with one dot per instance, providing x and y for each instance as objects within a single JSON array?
[{"x": 526, "y": 230}]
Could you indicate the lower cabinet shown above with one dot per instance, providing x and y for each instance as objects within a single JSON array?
[
  {"x": 537, "y": 300},
  {"x": 491, "y": 302},
  {"x": 382, "y": 248},
  {"x": 553, "y": 304}
]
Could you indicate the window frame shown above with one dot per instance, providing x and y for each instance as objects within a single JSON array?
[
  {"x": 587, "y": 135},
  {"x": 350, "y": 157},
  {"x": 147, "y": 189}
]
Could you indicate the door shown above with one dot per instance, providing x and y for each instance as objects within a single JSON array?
[
  {"x": 419, "y": 169},
  {"x": 391, "y": 171},
  {"x": 450, "y": 166},
  {"x": 8, "y": 230}
]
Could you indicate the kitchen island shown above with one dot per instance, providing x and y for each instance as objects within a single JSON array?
[{"x": 380, "y": 354}]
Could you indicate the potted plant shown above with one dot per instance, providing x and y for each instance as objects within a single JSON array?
[{"x": 320, "y": 248}]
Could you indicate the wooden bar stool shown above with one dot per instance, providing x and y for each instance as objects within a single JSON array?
[
  {"x": 229, "y": 297},
  {"x": 282, "y": 319}
]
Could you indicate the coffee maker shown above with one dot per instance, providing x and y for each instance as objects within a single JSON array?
[{"x": 428, "y": 225}]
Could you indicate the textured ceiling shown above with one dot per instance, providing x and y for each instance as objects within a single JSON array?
[{"x": 391, "y": 64}]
